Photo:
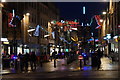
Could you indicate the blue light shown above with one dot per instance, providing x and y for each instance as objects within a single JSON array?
[
  {"x": 66, "y": 50},
  {"x": 14, "y": 57},
  {"x": 18, "y": 17},
  {"x": 58, "y": 53},
  {"x": 83, "y": 53},
  {"x": 62, "y": 53}
]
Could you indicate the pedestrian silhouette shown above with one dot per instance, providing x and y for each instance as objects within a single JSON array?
[
  {"x": 26, "y": 61},
  {"x": 22, "y": 61},
  {"x": 33, "y": 59}
]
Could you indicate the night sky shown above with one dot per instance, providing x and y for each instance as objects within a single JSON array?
[{"x": 74, "y": 10}]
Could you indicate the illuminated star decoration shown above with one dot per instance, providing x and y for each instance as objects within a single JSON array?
[
  {"x": 97, "y": 18},
  {"x": 12, "y": 19}
]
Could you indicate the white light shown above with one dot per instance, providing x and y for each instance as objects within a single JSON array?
[
  {"x": 46, "y": 35},
  {"x": 105, "y": 38},
  {"x": 118, "y": 26},
  {"x": 3, "y": 0},
  {"x": 21, "y": 45},
  {"x": 61, "y": 27},
  {"x": 62, "y": 21},
  {"x": 92, "y": 34},
  {"x": 101, "y": 20},
  {"x": 4, "y": 39},
  {"x": 30, "y": 30},
  {"x": 30, "y": 35},
  {"x": 70, "y": 30},
  {"x": 53, "y": 45},
  {"x": 82, "y": 24},
  {"x": 52, "y": 22},
  {"x": 74, "y": 28},
  {"x": 83, "y": 9},
  {"x": 115, "y": 37},
  {"x": 108, "y": 36},
  {"x": 13, "y": 13},
  {"x": 25, "y": 45},
  {"x": 88, "y": 24},
  {"x": 27, "y": 14},
  {"x": 104, "y": 13}
]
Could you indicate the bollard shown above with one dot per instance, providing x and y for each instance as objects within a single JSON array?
[
  {"x": 80, "y": 57},
  {"x": 16, "y": 64},
  {"x": 80, "y": 63},
  {"x": 54, "y": 63}
]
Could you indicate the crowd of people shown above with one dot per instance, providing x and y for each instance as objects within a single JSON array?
[
  {"x": 30, "y": 60},
  {"x": 25, "y": 59},
  {"x": 22, "y": 60}
]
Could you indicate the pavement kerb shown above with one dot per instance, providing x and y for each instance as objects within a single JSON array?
[{"x": 60, "y": 71}]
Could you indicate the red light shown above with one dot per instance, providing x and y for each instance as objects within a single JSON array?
[{"x": 80, "y": 57}]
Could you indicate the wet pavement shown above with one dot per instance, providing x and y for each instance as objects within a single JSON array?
[
  {"x": 107, "y": 64},
  {"x": 62, "y": 70},
  {"x": 61, "y": 65},
  {"x": 76, "y": 74}
]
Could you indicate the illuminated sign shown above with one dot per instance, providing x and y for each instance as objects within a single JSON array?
[
  {"x": 5, "y": 42},
  {"x": 4, "y": 39}
]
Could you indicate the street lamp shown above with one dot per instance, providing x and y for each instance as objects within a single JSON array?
[
  {"x": 28, "y": 14},
  {"x": 101, "y": 20},
  {"x": 104, "y": 13}
]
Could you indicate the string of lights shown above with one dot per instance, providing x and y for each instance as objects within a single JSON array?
[{"x": 59, "y": 37}]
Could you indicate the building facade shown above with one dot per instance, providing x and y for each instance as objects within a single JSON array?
[
  {"x": 31, "y": 14},
  {"x": 109, "y": 32}
]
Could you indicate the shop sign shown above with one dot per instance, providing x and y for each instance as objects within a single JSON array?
[
  {"x": 5, "y": 42},
  {"x": 4, "y": 39}
]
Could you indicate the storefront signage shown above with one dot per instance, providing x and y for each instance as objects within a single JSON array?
[
  {"x": 4, "y": 39},
  {"x": 5, "y": 42}
]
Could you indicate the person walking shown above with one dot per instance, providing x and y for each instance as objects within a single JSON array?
[
  {"x": 26, "y": 61},
  {"x": 33, "y": 59},
  {"x": 99, "y": 56},
  {"x": 21, "y": 57}
]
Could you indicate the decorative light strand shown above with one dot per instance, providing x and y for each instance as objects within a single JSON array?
[{"x": 59, "y": 37}]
